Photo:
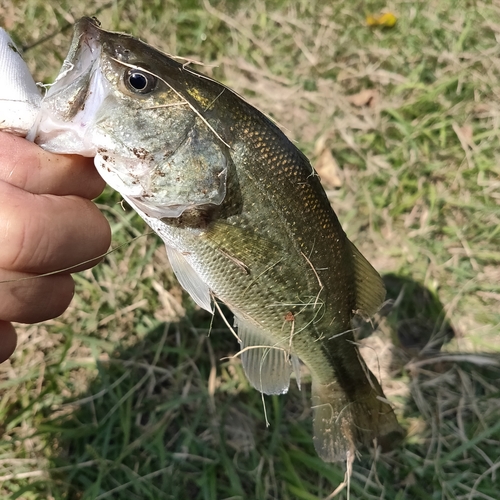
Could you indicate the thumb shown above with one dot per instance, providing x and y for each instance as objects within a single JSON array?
[{"x": 8, "y": 340}]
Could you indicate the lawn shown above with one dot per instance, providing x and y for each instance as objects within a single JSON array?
[{"x": 133, "y": 393}]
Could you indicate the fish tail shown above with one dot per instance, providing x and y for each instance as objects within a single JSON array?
[{"x": 342, "y": 423}]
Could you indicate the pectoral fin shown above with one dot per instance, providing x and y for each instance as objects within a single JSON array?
[
  {"x": 189, "y": 279},
  {"x": 267, "y": 366}
]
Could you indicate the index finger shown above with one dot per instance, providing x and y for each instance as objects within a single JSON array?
[{"x": 27, "y": 166}]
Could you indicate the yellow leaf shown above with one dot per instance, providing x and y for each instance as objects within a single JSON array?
[{"x": 386, "y": 20}]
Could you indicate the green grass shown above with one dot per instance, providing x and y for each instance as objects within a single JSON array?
[{"x": 127, "y": 396}]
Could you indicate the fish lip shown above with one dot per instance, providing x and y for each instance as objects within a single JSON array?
[
  {"x": 71, "y": 116},
  {"x": 84, "y": 52},
  {"x": 86, "y": 41},
  {"x": 88, "y": 28}
]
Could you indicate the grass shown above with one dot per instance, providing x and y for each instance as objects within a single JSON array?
[{"x": 127, "y": 396}]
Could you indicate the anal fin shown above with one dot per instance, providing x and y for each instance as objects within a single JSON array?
[{"x": 267, "y": 366}]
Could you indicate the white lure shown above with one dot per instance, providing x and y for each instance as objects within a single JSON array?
[{"x": 20, "y": 97}]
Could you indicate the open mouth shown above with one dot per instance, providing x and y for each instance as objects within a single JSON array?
[
  {"x": 84, "y": 52},
  {"x": 69, "y": 107}
]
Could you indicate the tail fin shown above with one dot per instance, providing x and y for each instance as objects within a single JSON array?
[
  {"x": 352, "y": 409},
  {"x": 341, "y": 423}
]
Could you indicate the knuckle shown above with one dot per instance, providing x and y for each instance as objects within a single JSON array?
[{"x": 24, "y": 238}]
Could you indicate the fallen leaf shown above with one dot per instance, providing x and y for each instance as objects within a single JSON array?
[
  {"x": 326, "y": 166},
  {"x": 383, "y": 20},
  {"x": 367, "y": 97},
  {"x": 464, "y": 134}
]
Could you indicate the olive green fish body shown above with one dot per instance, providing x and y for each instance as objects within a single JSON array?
[
  {"x": 276, "y": 254},
  {"x": 243, "y": 216}
]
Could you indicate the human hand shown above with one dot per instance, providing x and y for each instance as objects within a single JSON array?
[{"x": 47, "y": 223}]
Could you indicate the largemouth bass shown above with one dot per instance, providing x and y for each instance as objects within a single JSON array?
[{"x": 243, "y": 216}]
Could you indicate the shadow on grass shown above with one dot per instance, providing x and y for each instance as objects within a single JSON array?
[
  {"x": 418, "y": 321},
  {"x": 170, "y": 418},
  {"x": 412, "y": 319},
  {"x": 451, "y": 411}
]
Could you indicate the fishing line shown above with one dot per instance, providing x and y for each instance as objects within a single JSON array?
[
  {"x": 179, "y": 94},
  {"x": 51, "y": 273},
  {"x": 231, "y": 329}
]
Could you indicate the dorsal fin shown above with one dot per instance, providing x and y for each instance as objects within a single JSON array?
[
  {"x": 189, "y": 279},
  {"x": 267, "y": 368},
  {"x": 370, "y": 289}
]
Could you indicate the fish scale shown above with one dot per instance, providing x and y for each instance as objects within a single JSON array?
[{"x": 261, "y": 238}]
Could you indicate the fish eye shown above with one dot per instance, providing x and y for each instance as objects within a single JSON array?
[{"x": 139, "y": 81}]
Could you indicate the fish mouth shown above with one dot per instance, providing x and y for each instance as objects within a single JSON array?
[
  {"x": 85, "y": 50},
  {"x": 67, "y": 112}
]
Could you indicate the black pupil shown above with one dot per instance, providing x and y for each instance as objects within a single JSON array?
[{"x": 138, "y": 81}]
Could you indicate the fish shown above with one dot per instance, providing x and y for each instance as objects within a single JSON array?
[{"x": 243, "y": 216}]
